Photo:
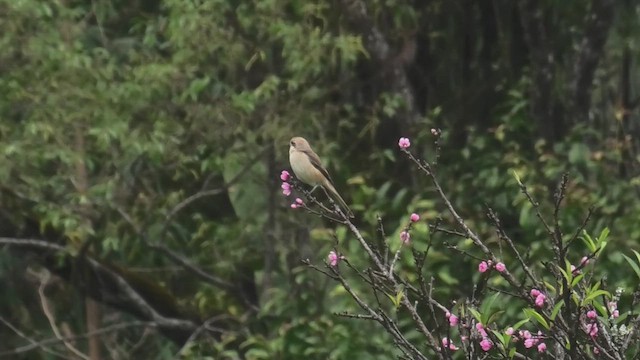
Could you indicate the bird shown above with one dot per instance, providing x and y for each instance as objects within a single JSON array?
[{"x": 307, "y": 166}]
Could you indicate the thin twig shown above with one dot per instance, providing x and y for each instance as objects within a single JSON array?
[
  {"x": 44, "y": 281},
  {"x": 35, "y": 344}
]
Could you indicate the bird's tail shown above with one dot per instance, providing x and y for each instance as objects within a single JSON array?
[{"x": 331, "y": 191}]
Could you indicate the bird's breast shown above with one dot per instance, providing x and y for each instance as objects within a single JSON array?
[{"x": 304, "y": 169}]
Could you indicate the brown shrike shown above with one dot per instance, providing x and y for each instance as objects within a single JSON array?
[{"x": 308, "y": 168}]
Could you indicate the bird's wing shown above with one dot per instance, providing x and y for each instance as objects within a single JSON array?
[{"x": 315, "y": 161}]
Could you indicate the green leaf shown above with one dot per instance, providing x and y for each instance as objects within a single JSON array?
[
  {"x": 595, "y": 294},
  {"x": 633, "y": 265},
  {"x": 517, "y": 325},
  {"x": 550, "y": 287},
  {"x": 517, "y": 177},
  {"x": 399, "y": 296},
  {"x": 488, "y": 304},
  {"x": 604, "y": 234},
  {"x": 588, "y": 241},
  {"x": 566, "y": 273},
  {"x": 576, "y": 280},
  {"x": 475, "y": 314},
  {"x": 494, "y": 316},
  {"x": 556, "y": 309},
  {"x": 504, "y": 338},
  {"x": 532, "y": 314}
]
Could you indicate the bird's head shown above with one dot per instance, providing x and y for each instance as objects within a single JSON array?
[{"x": 298, "y": 143}]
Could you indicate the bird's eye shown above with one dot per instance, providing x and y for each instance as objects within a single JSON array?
[{"x": 293, "y": 143}]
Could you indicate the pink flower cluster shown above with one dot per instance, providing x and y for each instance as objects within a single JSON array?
[
  {"x": 286, "y": 189},
  {"x": 449, "y": 344},
  {"x": 613, "y": 309},
  {"x": 591, "y": 329},
  {"x": 539, "y": 297},
  {"x": 453, "y": 320},
  {"x": 591, "y": 324},
  {"x": 334, "y": 258},
  {"x": 530, "y": 340},
  {"x": 404, "y": 143},
  {"x": 405, "y": 236},
  {"x": 486, "y": 344},
  {"x": 298, "y": 203},
  {"x": 486, "y": 265}
]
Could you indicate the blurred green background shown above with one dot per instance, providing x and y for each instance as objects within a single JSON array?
[{"x": 113, "y": 112}]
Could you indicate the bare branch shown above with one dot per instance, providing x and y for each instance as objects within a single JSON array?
[
  {"x": 36, "y": 344},
  {"x": 44, "y": 281},
  {"x": 120, "y": 293}
]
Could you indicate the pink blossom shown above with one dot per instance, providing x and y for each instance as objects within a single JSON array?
[
  {"x": 405, "y": 237},
  {"x": 525, "y": 334},
  {"x": 592, "y": 329},
  {"x": 415, "y": 217},
  {"x": 284, "y": 175},
  {"x": 591, "y": 314},
  {"x": 486, "y": 344},
  {"x": 333, "y": 258},
  {"x": 596, "y": 350},
  {"x": 483, "y": 267},
  {"x": 615, "y": 314},
  {"x": 447, "y": 343},
  {"x": 612, "y": 306},
  {"x": 573, "y": 270},
  {"x": 298, "y": 204},
  {"x": 542, "y": 347},
  {"x": 286, "y": 188},
  {"x": 528, "y": 343},
  {"x": 540, "y": 300},
  {"x": 500, "y": 267},
  {"x": 435, "y": 132},
  {"x": 481, "y": 329},
  {"x": 509, "y": 331},
  {"x": 584, "y": 261},
  {"x": 453, "y": 320},
  {"x": 404, "y": 143},
  {"x": 535, "y": 292}
]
